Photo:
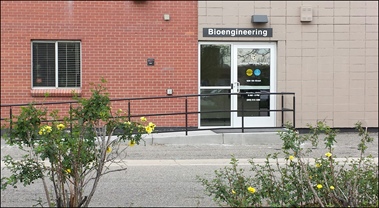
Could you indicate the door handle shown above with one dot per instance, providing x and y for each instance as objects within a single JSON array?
[{"x": 235, "y": 85}]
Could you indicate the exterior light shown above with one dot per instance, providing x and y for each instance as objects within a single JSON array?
[{"x": 259, "y": 19}]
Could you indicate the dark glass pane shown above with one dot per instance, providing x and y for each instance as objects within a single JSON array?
[
  {"x": 215, "y": 103},
  {"x": 254, "y": 104},
  {"x": 68, "y": 64},
  {"x": 215, "y": 65},
  {"x": 43, "y": 64}
]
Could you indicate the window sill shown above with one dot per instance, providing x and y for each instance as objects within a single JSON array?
[{"x": 55, "y": 92}]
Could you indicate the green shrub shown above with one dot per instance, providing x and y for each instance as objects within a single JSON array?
[
  {"x": 73, "y": 160},
  {"x": 300, "y": 181}
]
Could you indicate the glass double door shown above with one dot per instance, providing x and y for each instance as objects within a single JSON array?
[{"x": 248, "y": 69}]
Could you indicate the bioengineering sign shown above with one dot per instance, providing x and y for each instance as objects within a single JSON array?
[{"x": 237, "y": 32}]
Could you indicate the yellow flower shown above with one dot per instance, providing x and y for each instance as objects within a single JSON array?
[
  {"x": 143, "y": 119},
  {"x": 310, "y": 177},
  {"x": 291, "y": 157},
  {"x": 60, "y": 126},
  {"x": 152, "y": 125},
  {"x": 251, "y": 189},
  {"x": 68, "y": 171},
  {"x": 319, "y": 186},
  {"x": 331, "y": 187},
  {"x": 233, "y": 192},
  {"x": 148, "y": 129},
  {"x": 132, "y": 143},
  {"x": 44, "y": 130},
  {"x": 318, "y": 165},
  {"x": 109, "y": 149},
  {"x": 328, "y": 154}
]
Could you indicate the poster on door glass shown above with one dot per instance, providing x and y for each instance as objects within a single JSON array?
[{"x": 253, "y": 66}]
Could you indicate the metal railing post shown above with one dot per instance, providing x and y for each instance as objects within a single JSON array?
[
  {"x": 186, "y": 115},
  {"x": 128, "y": 110},
  {"x": 71, "y": 120},
  {"x": 243, "y": 116},
  {"x": 282, "y": 110},
  {"x": 10, "y": 122},
  {"x": 293, "y": 108}
]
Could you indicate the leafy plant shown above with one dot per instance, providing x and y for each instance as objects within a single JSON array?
[
  {"x": 73, "y": 152},
  {"x": 300, "y": 180}
]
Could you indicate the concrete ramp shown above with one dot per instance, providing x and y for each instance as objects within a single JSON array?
[{"x": 215, "y": 137}]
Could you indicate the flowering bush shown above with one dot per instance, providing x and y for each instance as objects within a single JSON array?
[
  {"x": 300, "y": 181},
  {"x": 73, "y": 152}
]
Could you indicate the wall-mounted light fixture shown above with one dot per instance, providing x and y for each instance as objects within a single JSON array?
[{"x": 259, "y": 19}]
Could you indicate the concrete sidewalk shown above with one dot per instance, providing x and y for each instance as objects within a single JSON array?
[{"x": 211, "y": 145}]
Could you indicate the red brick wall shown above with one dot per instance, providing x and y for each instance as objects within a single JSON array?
[{"x": 117, "y": 38}]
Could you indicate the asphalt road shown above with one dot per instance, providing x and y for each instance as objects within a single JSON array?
[{"x": 165, "y": 175}]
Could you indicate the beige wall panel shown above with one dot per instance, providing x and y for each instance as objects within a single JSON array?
[
  {"x": 340, "y": 123},
  {"x": 325, "y": 20},
  {"x": 325, "y": 52},
  {"x": 341, "y": 4},
  {"x": 339, "y": 92},
  {"x": 291, "y": 52},
  {"x": 327, "y": 115},
  {"x": 357, "y": 44},
  {"x": 372, "y": 20},
  {"x": 325, "y": 108},
  {"x": 341, "y": 36},
  {"x": 371, "y": 43},
  {"x": 357, "y": 12},
  {"x": 341, "y": 20},
  {"x": 278, "y": 12},
  {"x": 325, "y": 92},
  {"x": 344, "y": 11},
  {"x": 202, "y": 11},
  {"x": 215, "y": 11},
  {"x": 280, "y": 32},
  {"x": 357, "y": 20},
  {"x": 325, "y": 28},
  {"x": 277, "y": 21},
  {"x": 370, "y": 116},
  {"x": 309, "y": 28},
  {"x": 309, "y": 52},
  {"x": 309, "y": 43},
  {"x": 309, "y": 36},
  {"x": 326, "y": 37},
  {"x": 340, "y": 108},
  {"x": 230, "y": 21},
  {"x": 325, "y": 12},
  {"x": 372, "y": 29},
  {"x": 371, "y": 36},
  {"x": 310, "y": 112}
]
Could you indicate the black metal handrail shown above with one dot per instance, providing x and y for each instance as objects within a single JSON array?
[{"x": 186, "y": 112}]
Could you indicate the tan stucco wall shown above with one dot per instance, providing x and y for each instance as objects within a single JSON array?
[{"x": 331, "y": 63}]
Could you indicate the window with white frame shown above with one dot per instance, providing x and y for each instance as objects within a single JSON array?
[{"x": 56, "y": 64}]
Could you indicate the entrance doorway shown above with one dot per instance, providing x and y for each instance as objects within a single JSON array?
[{"x": 248, "y": 68}]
